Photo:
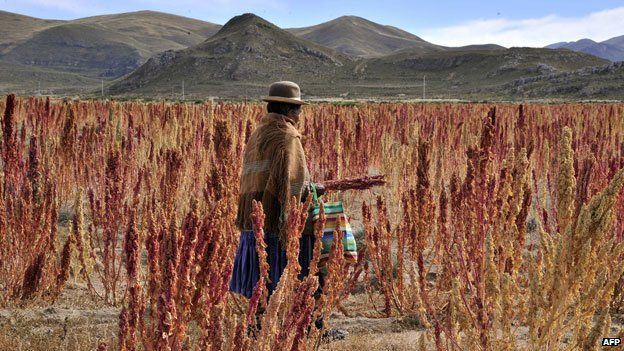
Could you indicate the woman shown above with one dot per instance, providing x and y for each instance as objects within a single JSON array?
[{"x": 274, "y": 170}]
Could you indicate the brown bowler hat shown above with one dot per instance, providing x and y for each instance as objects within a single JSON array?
[{"x": 284, "y": 91}]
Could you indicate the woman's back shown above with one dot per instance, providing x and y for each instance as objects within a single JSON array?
[{"x": 274, "y": 169}]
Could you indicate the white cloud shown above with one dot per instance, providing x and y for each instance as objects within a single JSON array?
[{"x": 535, "y": 32}]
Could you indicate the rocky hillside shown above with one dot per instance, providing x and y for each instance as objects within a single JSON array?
[
  {"x": 603, "y": 82},
  {"x": 463, "y": 73},
  {"x": 248, "y": 51}
]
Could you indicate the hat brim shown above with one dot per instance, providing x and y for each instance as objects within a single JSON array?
[{"x": 283, "y": 99}]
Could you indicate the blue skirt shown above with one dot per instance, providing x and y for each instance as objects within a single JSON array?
[{"x": 246, "y": 271}]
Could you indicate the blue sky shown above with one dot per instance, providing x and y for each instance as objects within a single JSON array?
[{"x": 446, "y": 22}]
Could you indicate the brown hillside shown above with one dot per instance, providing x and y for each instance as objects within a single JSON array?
[{"x": 357, "y": 36}]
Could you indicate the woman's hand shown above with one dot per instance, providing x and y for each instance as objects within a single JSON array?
[{"x": 320, "y": 189}]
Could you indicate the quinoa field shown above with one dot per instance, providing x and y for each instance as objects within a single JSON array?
[{"x": 501, "y": 227}]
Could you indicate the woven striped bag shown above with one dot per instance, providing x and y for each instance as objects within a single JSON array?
[{"x": 334, "y": 217}]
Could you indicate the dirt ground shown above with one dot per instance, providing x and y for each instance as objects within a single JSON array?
[{"x": 76, "y": 323}]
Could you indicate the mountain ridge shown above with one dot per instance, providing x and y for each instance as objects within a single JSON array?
[
  {"x": 249, "y": 52},
  {"x": 246, "y": 48},
  {"x": 149, "y": 53},
  {"x": 359, "y": 37},
  {"x": 16, "y": 27},
  {"x": 610, "y": 49},
  {"x": 105, "y": 46}
]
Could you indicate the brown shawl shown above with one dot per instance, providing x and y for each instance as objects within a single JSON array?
[{"x": 274, "y": 169}]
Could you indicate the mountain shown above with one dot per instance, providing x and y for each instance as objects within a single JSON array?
[
  {"x": 357, "y": 36},
  {"x": 103, "y": 46},
  {"x": 244, "y": 56},
  {"x": 557, "y": 45},
  {"x": 463, "y": 74},
  {"x": 248, "y": 53},
  {"x": 617, "y": 41},
  {"x": 155, "y": 54},
  {"x": 77, "y": 48},
  {"x": 476, "y": 47},
  {"x": 612, "y": 49},
  {"x": 155, "y": 32},
  {"x": 15, "y": 27}
]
